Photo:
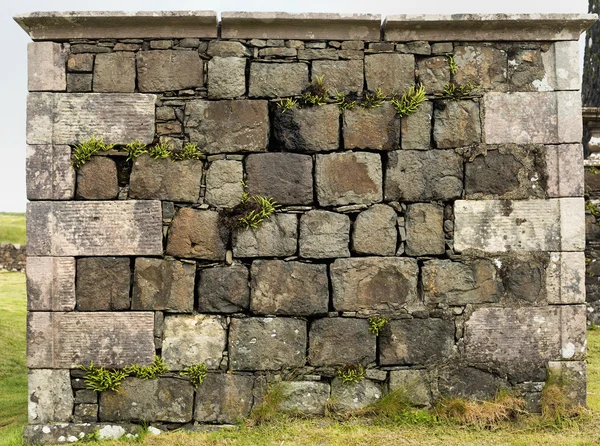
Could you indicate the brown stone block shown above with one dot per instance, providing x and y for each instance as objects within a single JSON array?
[
  {"x": 377, "y": 128},
  {"x": 338, "y": 341},
  {"x": 195, "y": 234},
  {"x": 103, "y": 283},
  {"x": 114, "y": 72},
  {"x": 50, "y": 283},
  {"x": 97, "y": 179},
  {"x": 167, "y": 70}
]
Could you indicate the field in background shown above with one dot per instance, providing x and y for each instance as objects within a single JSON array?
[{"x": 12, "y": 228}]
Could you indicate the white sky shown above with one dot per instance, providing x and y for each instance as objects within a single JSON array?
[{"x": 13, "y": 74}]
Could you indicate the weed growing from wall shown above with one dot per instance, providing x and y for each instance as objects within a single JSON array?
[
  {"x": 343, "y": 102},
  {"x": 188, "y": 152},
  {"x": 161, "y": 150},
  {"x": 84, "y": 150},
  {"x": 454, "y": 91},
  {"x": 316, "y": 94},
  {"x": 286, "y": 104},
  {"x": 351, "y": 374},
  {"x": 196, "y": 373},
  {"x": 270, "y": 406},
  {"x": 373, "y": 99},
  {"x": 376, "y": 324},
  {"x": 100, "y": 379},
  {"x": 153, "y": 371},
  {"x": 452, "y": 64},
  {"x": 135, "y": 149},
  {"x": 410, "y": 101}
]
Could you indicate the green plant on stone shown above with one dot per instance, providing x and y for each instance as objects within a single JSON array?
[
  {"x": 161, "y": 150},
  {"x": 410, "y": 101},
  {"x": 196, "y": 373},
  {"x": 592, "y": 169},
  {"x": 343, "y": 102},
  {"x": 376, "y": 324},
  {"x": 373, "y": 99},
  {"x": 352, "y": 373},
  {"x": 316, "y": 94},
  {"x": 85, "y": 149},
  {"x": 101, "y": 379},
  {"x": 286, "y": 104},
  {"x": 452, "y": 64},
  {"x": 134, "y": 149},
  {"x": 454, "y": 91},
  {"x": 253, "y": 219},
  {"x": 270, "y": 407},
  {"x": 153, "y": 371},
  {"x": 589, "y": 206},
  {"x": 188, "y": 152}
]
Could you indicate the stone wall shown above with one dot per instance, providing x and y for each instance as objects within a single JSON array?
[
  {"x": 12, "y": 257},
  {"x": 461, "y": 224}
]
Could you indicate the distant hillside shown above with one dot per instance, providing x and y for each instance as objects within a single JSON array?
[{"x": 12, "y": 228}]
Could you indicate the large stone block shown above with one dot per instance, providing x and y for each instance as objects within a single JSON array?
[
  {"x": 50, "y": 175},
  {"x": 266, "y": 343},
  {"x": 227, "y": 48},
  {"x": 324, "y": 235},
  {"x": 377, "y": 128},
  {"x": 470, "y": 382},
  {"x": 378, "y": 283},
  {"x": 50, "y": 397},
  {"x": 573, "y": 376},
  {"x": 434, "y": 74},
  {"x": 564, "y": 170},
  {"x": 338, "y": 341},
  {"x": 347, "y": 397},
  {"x": 197, "y": 339},
  {"x": 228, "y": 126},
  {"x": 456, "y": 124},
  {"x": 528, "y": 225},
  {"x": 50, "y": 283},
  {"x": 226, "y": 77},
  {"x": 424, "y": 229},
  {"x": 94, "y": 228},
  {"x": 416, "y": 128},
  {"x": 273, "y": 80},
  {"x": 46, "y": 67},
  {"x": 310, "y": 129},
  {"x": 223, "y": 289},
  {"x": 344, "y": 76},
  {"x": 109, "y": 339},
  {"x": 224, "y": 186},
  {"x": 195, "y": 234},
  {"x": 114, "y": 72},
  {"x": 224, "y": 398},
  {"x": 566, "y": 65},
  {"x": 375, "y": 231},
  {"x": 98, "y": 179},
  {"x": 423, "y": 175},
  {"x": 416, "y": 341},
  {"x": 305, "y": 397},
  {"x": 565, "y": 278},
  {"x": 81, "y": 62},
  {"x": 285, "y": 177},
  {"x": 484, "y": 66},
  {"x": 160, "y": 71},
  {"x": 164, "y": 399},
  {"x": 348, "y": 178},
  {"x": 103, "y": 283},
  {"x": 275, "y": 237},
  {"x": 54, "y": 118},
  {"x": 393, "y": 73},
  {"x": 531, "y": 69},
  {"x": 414, "y": 384},
  {"x": 289, "y": 288},
  {"x": 164, "y": 179}
]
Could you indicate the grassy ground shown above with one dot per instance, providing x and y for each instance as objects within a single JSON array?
[{"x": 12, "y": 228}]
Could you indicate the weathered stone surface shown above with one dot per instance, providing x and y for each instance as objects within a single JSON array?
[
  {"x": 523, "y": 277},
  {"x": 456, "y": 124},
  {"x": 164, "y": 179},
  {"x": 278, "y": 52},
  {"x": 305, "y": 397},
  {"x": 85, "y": 413},
  {"x": 481, "y": 65},
  {"x": 165, "y": 285},
  {"x": 103, "y": 283},
  {"x": 285, "y": 177},
  {"x": 310, "y": 129},
  {"x": 197, "y": 339},
  {"x": 289, "y": 288},
  {"x": 424, "y": 229},
  {"x": 110, "y": 339},
  {"x": 338, "y": 340},
  {"x": 375, "y": 231},
  {"x": 348, "y": 177},
  {"x": 225, "y": 48},
  {"x": 224, "y": 398},
  {"x": 50, "y": 175},
  {"x": 97, "y": 179},
  {"x": 223, "y": 289},
  {"x": 495, "y": 173},
  {"x": 164, "y": 399},
  {"x": 224, "y": 183},
  {"x": 416, "y": 341},
  {"x": 416, "y": 128},
  {"x": 50, "y": 396},
  {"x": 94, "y": 229},
  {"x": 195, "y": 234},
  {"x": 50, "y": 283},
  {"x": 317, "y": 53},
  {"x": 373, "y": 283},
  {"x": 46, "y": 66},
  {"x": 272, "y": 80},
  {"x": 344, "y": 76},
  {"x": 422, "y": 176},
  {"x": 70, "y": 118},
  {"x": 469, "y": 382},
  {"x": 168, "y": 70},
  {"x": 275, "y": 237},
  {"x": 228, "y": 126},
  {"x": 51, "y": 433},
  {"x": 80, "y": 62},
  {"x": 532, "y": 118},
  {"x": 377, "y": 128},
  {"x": 566, "y": 65},
  {"x": 347, "y": 397},
  {"x": 531, "y": 69},
  {"x": 79, "y": 82},
  {"x": 573, "y": 375},
  {"x": 115, "y": 72},
  {"x": 565, "y": 279},
  {"x": 434, "y": 73},
  {"x": 393, "y": 73},
  {"x": 266, "y": 343},
  {"x": 456, "y": 283},
  {"x": 415, "y": 385},
  {"x": 86, "y": 396},
  {"x": 226, "y": 77},
  {"x": 564, "y": 169},
  {"x": 528, "y": 225},
  {"x": 324, "y": 235}
]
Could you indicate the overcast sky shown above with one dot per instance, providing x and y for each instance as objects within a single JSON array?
[{"x": 13, "y": 75}]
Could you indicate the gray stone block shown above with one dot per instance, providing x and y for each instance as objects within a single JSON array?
[
  {"x": 226, "y": 77},
  {"x": 273, "y": 80},
  {"x": 275, "y": 237},
  {"x": 103, "y": 283},
  {"x": 414, "y": 384},
  {"x": 565, "y": 278},
  {"x": 377, "y": 128},
  {"x": 195, "y": 234},
  {"x": 224, "y": 398},
  {"x": 79, "y": 82},
  {"x": 160, "y": 71},
  {"x": 456, "y": 124},
  {"x": 393, "y": 73},
  {"x": 50, "y": 283},
  {"x": 338, "y": 341},
  {"x": 97, "y": 179},
  {"x": 224, "y": 183},
  {"x": 50, "y": 175},
  {"x": 416, "y": 128},
  {"x": 375, "y": 231},
  {"x": 225, "y": 48},
  {"x": 114, "y": 72},
  {"x": 502, "y": 173},
  {"x": 472, "y": 383},
  {"x": 564, "y": 170},
  {"x": 434, "y": 73},
  {"x": 347, "y": 397},
  {"x": 424, "y": 229},
  {"x": 83, "y": 413},
  {"x": 310, "y": 129},
  {"x": 324, "y": 235},
  {"x": 223, "y": 289},
  {"x": 573, "y": 374},
  {"x": 305, "y": 397},
  {"x": 50, "y": 397},
  {"x": 317, "y": 53},
  {"x": 344, "y": 76},
  {"x": 46, "y": 66}
]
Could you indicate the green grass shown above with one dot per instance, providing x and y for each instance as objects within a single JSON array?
[{"x": 12, "y": 228}]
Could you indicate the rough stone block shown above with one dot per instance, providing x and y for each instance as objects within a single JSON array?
[
  {"x": 531, "y": 69},
  {"x": 103, "y": 283},
  {"x": 273, "y": 80},
  {"x": 80, "y": 62},
  {"x": 344, "y": 76},
  {"x": 528, "y": 225},
  {"x": 324, "y": 235},
  {"x": 503, "y": 173},
  {"x": 225, "y": 48},
  {"x": 86, "y": 396},
  {"x": 285, "y": 177},
  {"x": 224, "y": 398},
  {"x": 228, "y": 126},
  {"x": 338, "y": 341},
  {"x": 416, "y": 128},
  {"x": 164, "y": 179},
  {"x": 97, "y": 179},
  {"x": 375, "y": 231},
  {"x": 565, "y": 279},
  {"x": 434, "y": 73},
  {"x": 377, "y": 128},
  {"x": 79, "y": 82},
  {"x": 50, "y": 283},
  {"x": 164, "y": 399},
  {"x": 114, "y": 72},
  {"x": 305, "y": 397},
  {"x": 415, "y": 384},
  {"x": 573, "y": 374},
  {"x": 416, "y": 341},
  {"x": 456, "y": 124},
  {"x": 275, "y": 237},
  {"x": 564, "y": 170},
  {"x": 226, "y": 77},
  {"x": 46, "y": 66},
  {"x": 289, "y": 288},
  {"x": 197, "y": 339},
  {"x": 50, "y": 396},
  {"x": 347, "y": 397},
  {"x": 119, "y": 118},
  {"x": 266, "y": 343},
  {"x": 481, "y": 65},
  {"x": 393, "y": 73},
  {"x": 310, "y": 129},
  {"x": 160, "y": 71},
  {"x": 348, "y": 178},
  {"x": 423, "y": 175},
  {"x": 110, "y": 339},
  {"x": 223, "y": 289},
  {"x": 224, "y": 183},
  {"x": 50, "y": 175},
  {"x": 94, "y": 229},
  {"x": 424, "y": 229},
  {"x": 85, "y": 413},
  {"x": 472, "y": 383},
  {"x": 195, "y": 234}
]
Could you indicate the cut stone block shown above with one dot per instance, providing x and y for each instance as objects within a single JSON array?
[
  {"x": 85, "y": 413},
  {"x": 566, "y": 65},
  {"x": 226, "y": 48},
  {"x": 46, "y": 67},
  {"x": 69, "y": 118},
  {"x": 338, "y": 341},
  {"x": 110, "y": 339},
  {"x": 223, "y": 289},
  {"x": 79, "y": 82},
  {"x": 106, "y": 228},
  {"x": 114, "y": 72},
  {"x": 347, "y": 397},
  {"x": 415, "y": 385},
  {"x": 273, "y": 80},
  {"x": 573, "y": 374},
  {"x": 457, "y": 124},
  {"x": 434, "y": 73},
  {"x": 565, "y": 279},
  {"x": 379, "y": 283},
  {"x": 228, "y": 126},
  {"x": 424, "y": 229},
  {"x": 80, "y": 62},
  {"x": 103, "y": 283},
  {"x": 50, "y": 283},
  {"x": 160, "y": 71},
  {"x": 50, "y": 396},
  {"x": 224, "y": 183},
  {"x": 266, "y": 343},
  {"x": 393, "y": 73},
  {"x": 289, "y": 288},
  {"x": 472, "y": 383},
  {"x": 324, "y": 235},
  {"x": 416, "y": 128},
  {"x": 484, "y": 66},
  {"x": 528, "y": 225},
  {"x": 50, "y": 175},
  {"x": 275, "y": 237},
  {"x": 197, "y": 339},
  {"x": 564, "y": 169},
  {"x": 97, "y": 179},
  {"x": 305, "y": 397},
  {"x": 375, "y": 231},
  {"x": 226, "y": 77},
  {"x": 377, "y": 128},
  {"x": 310, "y": 129},
  {"x": 224, "y": 398},
  {"x": 344, "y": 76},
  {"x": 195, "y": 234}
]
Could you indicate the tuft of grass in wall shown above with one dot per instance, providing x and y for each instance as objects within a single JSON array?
[
  {"x": 270, "y": 407},
  {"x": 189, "y": 151},
  {"x": 452, "y": 64},
  {"x": 84, "y": 150},
  {"x": 316, "y": 94},
  {"x": 593, "y": 170},
  {"x": 589, "y": 206},
  {"x": 454, "y": 91},
  {"x": 101, "y": 379},
  {"x": 373, "y": 99},
  {"x": 410, "y": 101},
  {"x": 134, "y": 149},
  {"x": 265, "y": 208},
  {"x": 557, "y": 408},
  {"x": 351, "y": 374},
  {"x": 396, "y": 408},
  {"x": 153, "y": 371},
  {"x": 376, "y": 324},
  {"x": 286, "y": 104},
  {"x": 196, "y": 374},
  {"x": 343, "y": 102},
  {"x": 161, "y": 150}
]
